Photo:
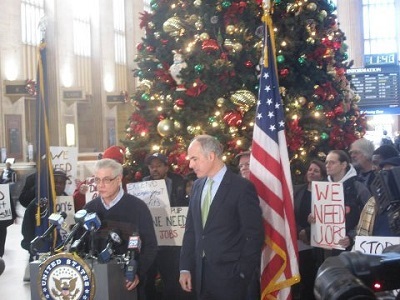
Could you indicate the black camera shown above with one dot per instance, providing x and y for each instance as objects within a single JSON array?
[{"x": 354, "y": 275}]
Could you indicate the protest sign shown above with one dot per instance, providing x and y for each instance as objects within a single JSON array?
[
  {"x": 66, "y": 204},
  {"x": 66, "y": 159},
  {"x": 5, "y": 203},
  {"x": 92, "y": 190},
  {"x": 327, "y": 207},
  {"x": 153, "y": 192},
  {"x": 374, "y": 244},
  {"x": 169, "y": 222}
]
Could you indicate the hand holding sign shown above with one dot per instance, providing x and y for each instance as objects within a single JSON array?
[{"x": 328, "y": 211}]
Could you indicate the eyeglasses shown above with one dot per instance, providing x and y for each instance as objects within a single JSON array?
[{"x": 105, "y": 180}]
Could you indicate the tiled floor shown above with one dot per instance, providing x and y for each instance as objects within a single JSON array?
[{"x": 16, "y": 259}]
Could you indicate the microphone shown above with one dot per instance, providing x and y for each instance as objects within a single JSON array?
[
  {"x": 134, "y": 246},
  {"x": 55, "y": 221},
  {"x": 91, "y": 222},
  {"x": 113, "y": 240},
  {"x": 79, "y": 218},
  {"x": 76, "y": 243}
]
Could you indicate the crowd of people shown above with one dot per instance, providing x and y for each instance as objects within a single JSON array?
[{"x": 224, "y": 234}]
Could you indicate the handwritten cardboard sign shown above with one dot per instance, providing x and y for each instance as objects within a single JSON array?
[
  {"x": 92, "y": 190},
  {"x": 153, "y": 192},
  {"x": 66, "y": 204},
  {"x": 5, "y": 203},
  {"x": 327, "y": 207},
  {"x": 169, "y": 224},
  {"x": 66, "y": 159},
  {"x": 374, "y": 244}
]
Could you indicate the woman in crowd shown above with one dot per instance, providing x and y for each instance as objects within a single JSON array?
[
  {"x": 310, "y": 258},
  {"x": 356, "y": 194}
]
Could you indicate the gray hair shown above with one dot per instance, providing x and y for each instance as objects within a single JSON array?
[
  {"x": 107, "y": 163},
  {"x": 209, "y": 144},
  {"x": 365, "y": 146}
]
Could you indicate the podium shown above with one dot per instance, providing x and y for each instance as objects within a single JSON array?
[{"x": 105, "y": 281}]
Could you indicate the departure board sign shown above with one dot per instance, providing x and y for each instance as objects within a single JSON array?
[{"x": 377, "y": 86}]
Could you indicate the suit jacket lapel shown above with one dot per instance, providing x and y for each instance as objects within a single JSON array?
[{"x": 219, "y": 197}]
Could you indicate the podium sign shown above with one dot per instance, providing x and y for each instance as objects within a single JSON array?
[{"x": 67, "y": 276}]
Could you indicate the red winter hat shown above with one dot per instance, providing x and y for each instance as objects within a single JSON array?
[{"x": 116, "y": 153}]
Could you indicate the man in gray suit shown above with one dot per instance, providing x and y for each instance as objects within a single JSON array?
[{"x": 224, "y": 231}]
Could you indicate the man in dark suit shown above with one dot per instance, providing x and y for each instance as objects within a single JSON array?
[{"x": 221, "y": 248}]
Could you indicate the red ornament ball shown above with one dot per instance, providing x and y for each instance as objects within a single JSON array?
[
  {"x": 180, "y": 102},
  {"x": 284, "y": 72},
  {"x": 139, "y": 46},
  {"x": 233, "y": 118},
  {"x": 150, "y": 48},
  {"x": 248, "y": 64}
]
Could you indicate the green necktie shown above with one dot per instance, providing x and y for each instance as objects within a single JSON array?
[{"x": 207, "y": 201}]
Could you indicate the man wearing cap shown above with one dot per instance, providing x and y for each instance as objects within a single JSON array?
[
  {"x": 167, "y": 260},
  {"x": 29, "y": 220},
  {"x": 116, "y": 153},
  {"x": 374, "y": 218}
]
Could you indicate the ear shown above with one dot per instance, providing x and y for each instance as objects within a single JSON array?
[{"x": 211, "y": 156}]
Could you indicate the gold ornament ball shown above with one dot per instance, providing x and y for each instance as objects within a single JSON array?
[
  {"x": 199, "y": 25},
  {"x": 165, "y": 127},
  {"x": 237, "y": 47},
  {"x": 321, "y": 155},
  {"x": 177, "y": 125},
  {"x": 230, "y": 29},
  {"x": 302, "y": 100},
  {"x": 220, "y": 102},
  {"x": 244, "y": 99},
  {"x": 177, "y": 108},
  {"x": 169, "y": 98},
  {"x": 312, "y": 6},
  {"x": 190, "y": 129},
  {"x": 173, "y": 26},
  {"x": 204, "y": 36}
]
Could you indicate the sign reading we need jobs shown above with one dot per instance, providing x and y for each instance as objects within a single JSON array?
[
  {"x": 327, "y": 207},
  {"x": 169, "y": 222}
]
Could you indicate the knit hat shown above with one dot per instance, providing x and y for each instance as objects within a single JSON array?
[
  {"x": 61, "y": 173},
  {"x": 160, "y": 156},
  {"x": 116, "y": 153},
  {"x": 393, "y": 161}
]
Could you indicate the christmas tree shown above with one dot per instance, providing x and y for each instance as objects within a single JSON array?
[{"x": 198, "y": 72}]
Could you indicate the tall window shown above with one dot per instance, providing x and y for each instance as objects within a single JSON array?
[
  {"x": 81, "y": 27},
  {"x": 380, "y": 26},
  {"x": 119, "y": 32},
  {"x": 32, "y": 12}
]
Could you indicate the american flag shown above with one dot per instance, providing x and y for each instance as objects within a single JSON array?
[{"x": 270, "y": 172}]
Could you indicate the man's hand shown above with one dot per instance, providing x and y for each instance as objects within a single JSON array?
[
  {"x": 185, "y": 279},
  {"x": 132, "y": 285}
]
